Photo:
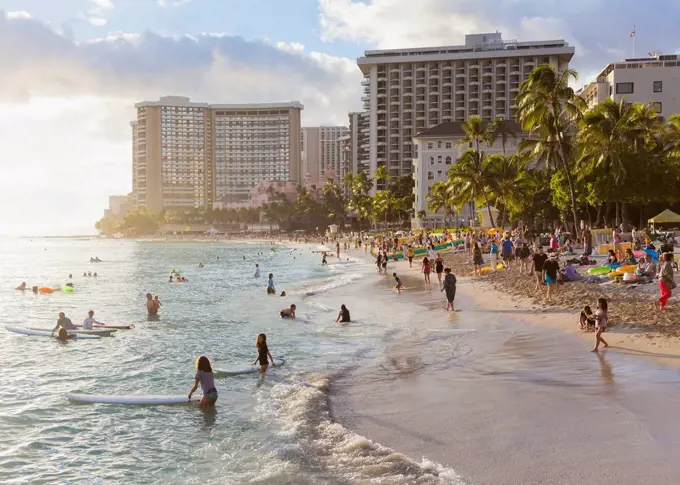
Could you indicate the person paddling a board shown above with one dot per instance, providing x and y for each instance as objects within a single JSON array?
[
  {"x": 204, "y": 376},
  {"x": 89, "y": 321},
  {"x": 64, "y": 323},
  {"x": 263, "y": 353},
  {"x": 288, "y": 312}
]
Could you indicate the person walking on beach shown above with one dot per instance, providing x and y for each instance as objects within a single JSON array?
[
  {"x": 601, "y": 319},
  {"x": 410, "y": 256},
  {"x": 493, "y": 256},
  {"x": 450, "y": 288},
  {"x": 477, "y": 259},
  {"x": 539, "y": 260},
  {"x": 587, "y": 241},
  {"x": 524, "y": 256},
  {"x": 439, "y": 268},
  {"x": 507, "y": 251},
  {"x": 550, "y": 270},
  {"x": 666, "y": 281},
  {"x": 378, "y": 262},
  {"x": 399, "y": 284},
  {"x": 425, "y": 269}
]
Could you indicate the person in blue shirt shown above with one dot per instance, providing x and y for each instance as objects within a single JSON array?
[
  {"x": 507, "y": 251},
  {"x": 493, "y": 253}
]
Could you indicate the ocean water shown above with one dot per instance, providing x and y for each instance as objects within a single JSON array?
[{"x": 272, "y": 430}]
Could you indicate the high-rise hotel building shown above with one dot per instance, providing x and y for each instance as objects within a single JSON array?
[
  {"x": 322, "y": 154},
  {"x": 407, "y": 91},
  {"x": 188, "y": 155}
]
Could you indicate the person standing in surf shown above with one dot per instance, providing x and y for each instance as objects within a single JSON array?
[
  {"x": 450, "y": 288},
  {"x": 426, "y": 270},
  {"x": 263, "y": 353},
  {"x": 257, "y": 271},
  {"x": 270, "y": 285},
  {"x": 601, "y": 321},
  {"x": 151, "y": 307},
  {"x": 439, "y": 268},
  {"x": 204, "y": 377}
]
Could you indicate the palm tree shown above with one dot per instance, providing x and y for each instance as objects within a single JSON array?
[
  {"x": 499, "y": 129},
  {"x": 509, "y": 181},
  {"x": 469, "y": 179},
  {"x": 476, "y": 131},
  {"x": 671, "y": 135},
  {"x": 546, "y": 101},
  {"x": 382, "y": 175},
  {"x": 440, "y": 198}
]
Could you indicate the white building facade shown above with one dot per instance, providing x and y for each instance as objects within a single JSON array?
[
  {"x": 407, "y": 91},
  {"x": 437, "y": 150},
  {"x": 652, "y": 80}
]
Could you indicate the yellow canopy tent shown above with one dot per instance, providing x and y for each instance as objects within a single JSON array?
[{"x": 666, "y": 217}]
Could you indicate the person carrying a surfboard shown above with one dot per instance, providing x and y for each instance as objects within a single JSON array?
[
  {"x": 64, "y": 323},
  {"x": 263, "y": 353},
  {"x": 204, "y": 376}
]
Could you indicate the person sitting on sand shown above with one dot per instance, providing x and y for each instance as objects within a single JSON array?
[
  {"x": 288, "y": 312},
  {"x": 630, "y": 257},
  {"x": 64, "y": 322},
  {"x": 270, "y": 285},
  {"x": 22, "y": 286},
  {"x": 399, "y": 284},
  {"x": 612, "y": 259},
  {"x": 343, "y": 316},
  {"x": 602, "y": 320},
  {"x": 647, "y": 268},
  {"x": 587, "y": 319}
]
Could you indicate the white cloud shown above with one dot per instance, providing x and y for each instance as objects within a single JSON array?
[
  {"x": 65, "y": 107},
  {"x": 172, "y": 3},
  {"x": 103, "y": 4},
  {"x": 20, "y": 14},
  {"x": 98, "y": 21}
]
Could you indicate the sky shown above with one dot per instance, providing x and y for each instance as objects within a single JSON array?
[{"x": 71, "y": 71}]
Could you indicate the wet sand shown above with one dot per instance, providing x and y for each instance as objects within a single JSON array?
[{"x": 517, "y": 403}]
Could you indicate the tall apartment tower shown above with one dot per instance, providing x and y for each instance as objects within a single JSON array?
[
  {"x": 359, "y": 142},
  {"x": 188, "y": 155},
  {"x": 322, "y": 153},
  {"x": 407, "y": 91}
]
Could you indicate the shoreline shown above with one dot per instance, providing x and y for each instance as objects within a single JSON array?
[{"x": 494, "y": 420}]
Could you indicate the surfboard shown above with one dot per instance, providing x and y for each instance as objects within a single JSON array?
[
  {"x": 114, "y": 327},
  {"x": 132, "y": 399},
  {"x": 245, "y": 370},
  {"x": 95, "y": 331},
  {"x": 38, "y": 333}
]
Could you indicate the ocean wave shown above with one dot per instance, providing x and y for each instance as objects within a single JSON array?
[
  {"x": 334, "y": 282},
  {"x": 321, "y": 447}
]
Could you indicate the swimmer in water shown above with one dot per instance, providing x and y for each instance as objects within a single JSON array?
[
  {"x": 170, "y": 279},
  {"x": 270, "y": 285},
  {"x": 64, "y": 335},
  {"x": 288, "y": 312},
  {"x": 257, "y": 271},
  {"x": 343, "y": 316},
  {"x": 157, "y": 302},
  {"x": 22, "y": 286},
  {"x": 263, "y": 354},
  {"x": 283, "y": 293}
]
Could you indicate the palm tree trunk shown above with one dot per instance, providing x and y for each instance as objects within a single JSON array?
[
  {"x": 570, "y": 180},
  {"x": 488, "y": 208}
]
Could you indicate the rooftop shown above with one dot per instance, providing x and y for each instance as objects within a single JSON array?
[
  {"x": 181, "y": 101},
  {"x": 455, "y": 128}
]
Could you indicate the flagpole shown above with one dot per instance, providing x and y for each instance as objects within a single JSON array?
[{"x": 634, "y": 36}]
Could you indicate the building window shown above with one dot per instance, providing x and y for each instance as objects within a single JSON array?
[
  {"x": 439, "y": 159},
  {"x": 430, "y": 145},
  {"x": 658, "y": 86},
  {"x": 449, "y": 145},
  {"x": 431, "y": 160},
  {"x": 624, "y": 88},
  {"x": 430, "y": 175},
  {"x": 448, "y": 160},
  {"x": 658, "y": 107},
  {"x": 439, "y": 144},
  {"x": 439, "y": 174}
]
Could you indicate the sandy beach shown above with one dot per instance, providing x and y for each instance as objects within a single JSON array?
[{"x": 523, "y": 400}]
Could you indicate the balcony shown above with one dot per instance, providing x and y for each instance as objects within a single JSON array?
[
  {"x": 434, "y": 93},
  {"x": 446, "y": 83},
  {"x": 487, "y": 74},
  {"x": 421, "y": 84},
  {"x": 365, "y": 82},
  {"x": 433, "y": 109},
  {"x": 421, "y": 69},
  {"x": 460, "y": 75},
  {"x": 461, "y": 91},
  {"x": 487, "y": 88},
  {"x": 395, "y": 70},
  {"x": 434, "y": 75},
  {"x": 500, "y": 80},
  {"x": 529, "y": 63},
  {"x": 407, "y": 110}
]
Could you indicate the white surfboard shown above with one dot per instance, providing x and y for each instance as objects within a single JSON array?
[
  {"x": 133, "y": 399},
  {"x": 38, "y": 333},
  {"x": 95, "y": 331},
  {"x": 245, "y": 370}
]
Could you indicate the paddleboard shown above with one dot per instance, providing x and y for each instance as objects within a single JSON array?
[
  {"x": 38, "y": 333},
  {"x": 115, "y": 327},
  {"x": 95, "y": 331},
  {"x": 132, "y": 399},
  {"x": 245, "y": 370}
]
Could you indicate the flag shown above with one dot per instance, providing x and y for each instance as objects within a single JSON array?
[{"x": 632, "y": 32}]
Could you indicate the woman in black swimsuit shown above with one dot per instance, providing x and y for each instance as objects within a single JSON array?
[
  {"x": 263, "y": 353},
  {"x": 343, "y": 316}
]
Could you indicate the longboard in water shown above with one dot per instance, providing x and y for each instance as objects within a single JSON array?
[
  {"x": 114, "y": 327},
  {"x": 244, "y": 370},
  {"x": 95, "y": 331},
  {"x": 132, "y": 399},
  {"x": 38, "y": 333}
]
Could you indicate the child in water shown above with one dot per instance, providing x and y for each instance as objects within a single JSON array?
[
  {"x": 602, "y": 321},
  {"x": 63, "y": 334},
  {"x": 204, "y": 376},
  {"x": 270, "y": 285},
  {"x": 399, "y": 285},
  {"x": 263, "y": 353},
  {"x": 156, "y": 302}
]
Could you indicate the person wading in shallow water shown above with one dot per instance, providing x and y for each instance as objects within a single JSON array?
[{"x": 151, "y": 306}]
